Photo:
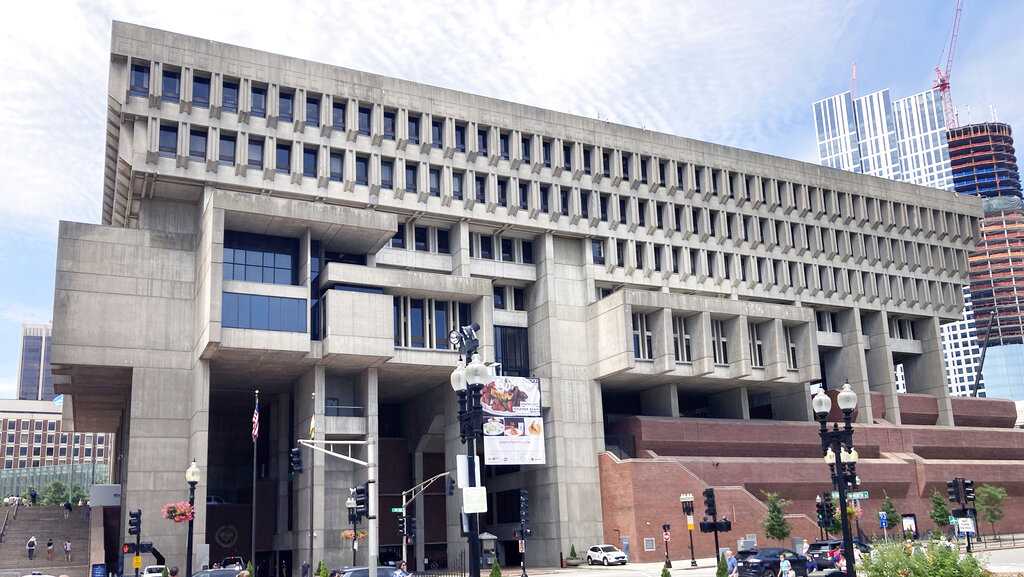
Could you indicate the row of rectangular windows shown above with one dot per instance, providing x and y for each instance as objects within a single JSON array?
[
  {"x": 62, "y": 452},
  {"x": 682, "y": 331},
  {"x": 832, "y": 202}
]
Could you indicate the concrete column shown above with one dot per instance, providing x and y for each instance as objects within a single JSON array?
[
  {"x": 660, "y": 401},
  {"x": 925, "y": 373},
  {"x": 731, "y": 404},
  {"x": 703, "y": 356},
  {"x": 776, "y": 362},
  {"x": 459, "y": 238},
  {"x": 368, "y": 386},
  {"x": 660, "y": 324},
  {"x": 853, "y": 367},
  {"x": 738, "y": 336},
  {"x": 880, "y": 366},
  {"x": 312, "y": 380},
  {"x": 199, "y": 429},
  {"x": 281, "y": 447}
]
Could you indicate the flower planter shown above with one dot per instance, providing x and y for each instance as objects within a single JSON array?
[{"x": 573, "y": 562}]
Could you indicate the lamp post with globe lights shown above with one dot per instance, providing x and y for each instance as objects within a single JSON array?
[
  {"x": 192, "y": 478},
  {"x": 468, "y": 380},
  {"x": 840, "y": 456}
]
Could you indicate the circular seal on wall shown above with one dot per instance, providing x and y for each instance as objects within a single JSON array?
[{"x": 226, "y": 536}]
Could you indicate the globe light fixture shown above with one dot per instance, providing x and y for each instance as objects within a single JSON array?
[
  {"x": 458, "y": 377},
  {"x": 476, "y": 371},
  {"x": 846, "y": 398},
  {"x": 821, "y": 403},
  {"x": 192, "y": 473},
  {"x": 830, "y": 457}
]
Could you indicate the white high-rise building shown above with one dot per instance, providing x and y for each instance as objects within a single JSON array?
[
  {"x": 961, "y": 352},
  {"x": 921, "y": 135}
]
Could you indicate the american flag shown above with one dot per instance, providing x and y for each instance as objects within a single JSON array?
[{"x": 256, "y": 420}]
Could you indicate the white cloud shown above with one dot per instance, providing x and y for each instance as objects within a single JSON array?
[
  {"x": 8, "y": 388},
  {"x": 19, "y": 313}
]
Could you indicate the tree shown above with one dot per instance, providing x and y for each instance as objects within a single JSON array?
[
  {"x": 664, "y": 572},
  {"x": 572, "y": 552},
  {"x": 989, "y": 502},
  {"x": 723, "y": 567},
  {"x": 76, "y": 493},
  {"x": 321, "y": 570},
  {"x": 495, "y": 569},
  {"x": 54, "y": 494},
  {"x": 940, "y": 512},
  {"x": 775, "y": 525},
  {"x": 250, "y": 570},
  {"x": 889, "y": 508}
]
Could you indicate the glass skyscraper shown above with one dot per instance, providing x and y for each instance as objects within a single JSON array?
[{"x": 35, "y": 380}]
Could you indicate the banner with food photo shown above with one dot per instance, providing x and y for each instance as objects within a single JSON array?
[{"x": 513, "y": 425}]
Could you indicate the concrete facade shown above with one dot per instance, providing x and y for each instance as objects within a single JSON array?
[{"x": 653, "y": 274}]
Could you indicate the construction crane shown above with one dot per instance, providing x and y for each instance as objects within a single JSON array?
[{"x": 942, "y": 74}]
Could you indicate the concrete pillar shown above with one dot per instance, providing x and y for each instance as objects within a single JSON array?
[
  {"x": 853, "y": 367},
  {"x": 925, "y": 373},
  {"x": 419, "y": 512},
  {"x": 460, "y": 239},
  {"x": 776, "y": 361},
  {"x": 660, "y": 324},
  {"x": 881, "y": 372},
  {"x": 791, "y": 402},
  {"x": 738, "y": 344},
  {"x": 703, "y": 357},
  {"x": 731, "y": 404},
  {"x": 660, "y": 401},
  {"x": 304, "y": 484},
  {"x": 368, "y": 386},
  {"x": 199, "y": 428}
]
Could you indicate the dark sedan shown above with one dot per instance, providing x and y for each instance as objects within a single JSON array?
[
  {"x": 820, "y": 552},
  {"x": 765, "y": 562}
]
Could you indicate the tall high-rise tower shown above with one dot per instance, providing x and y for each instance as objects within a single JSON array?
[{"x": 35, "y": 381}]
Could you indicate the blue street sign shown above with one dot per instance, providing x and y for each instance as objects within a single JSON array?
[{"x": 883, "y": 520}]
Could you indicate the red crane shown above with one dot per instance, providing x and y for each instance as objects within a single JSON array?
[{"x": 942, "y": 74}]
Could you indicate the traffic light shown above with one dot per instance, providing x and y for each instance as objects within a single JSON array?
[
  {"x": 135, "y": 522},
  {"x": 830, "y": 509},
  {"x": 403, "y": 528},
  {"x": 451, "y": 486},
  {"x": 145, "y": 547},
  {"x": 295, "y": 461},
  {"x": 410, "y": 526},
  {"x": 822, "y": 511},
  {"x": 128, "y": 549},
  {"x": 524, "y": 504},
  {"x": 968, "y": 490},
  {"x": 953, "y": 490},
  {"x": 362, "y": 496},
  {"x": 724, "y": 525},
  {"x": 709, "y": 503}
]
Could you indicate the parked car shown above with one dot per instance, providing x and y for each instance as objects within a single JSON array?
[
  {"x": 233, "y": 563},
  {"x": 820, "y": 552},
  {"x": 153, "y": 570},
  {"x": 765, "y": 562},
  {"x": 605, "y": 555},
  {"x": 216, "y": 573},
  {"x": 382, "y": 571}
]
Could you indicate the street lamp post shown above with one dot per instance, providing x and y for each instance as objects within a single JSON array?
[
  {"x": 841, "y": 457},
  {"x": 468, "y": 380},
  {"x": 686, "y": 499},
  {"x": 192, "y": 478}
]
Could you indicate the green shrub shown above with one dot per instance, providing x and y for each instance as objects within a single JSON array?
[
  {"x": 937, "y": 561},
  {"x": 723, "y": 567},
  {"x": 495, "y": 569},
  {"x": 572, "y": 552},
  {"x": 665, "y": 572}
]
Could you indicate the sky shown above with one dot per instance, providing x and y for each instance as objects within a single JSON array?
[{"x": 740, "y": 73}]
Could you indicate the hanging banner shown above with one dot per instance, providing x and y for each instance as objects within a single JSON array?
[{"x": 513, "y": 425}]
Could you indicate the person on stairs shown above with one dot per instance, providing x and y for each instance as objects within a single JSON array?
[
  {"x": 31, "y": 547},
  {"x": 67, "y": 550},
  {"x": 49, "y": 549}
]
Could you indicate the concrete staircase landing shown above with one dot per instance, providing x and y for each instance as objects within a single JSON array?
[{"x": 45, "y": 523}]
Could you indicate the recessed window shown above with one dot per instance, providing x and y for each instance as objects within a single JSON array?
[
  {"x": 443, "y": 245},
  {"x": 313, "y": 111},
  {"x": 197, "y": 144},
  {"x": 627, "y": 161},
  {"x": 563, "y": 201},
  {"x": 435, "y": 182},
  {"x": 597, "y": 250},
  {"x": 255, "y": 152},
  {"x": 587, "y": 162},
  {"x": 457, "y": 183},
  {"x": 524, "y": 195},
  {"x": 481, "y": 141},
  {"x": 643, "y": 337},
  {"x": 567, "y": 156},
  {"x": 756, "y": 345},
  {"x": 229, "y": 98},
  {"x": 545, "y": 198},
  {"x": 171, "y": 86},
  {"x": 260, "y": 258},
  {"x": 526, "y": 143},
  {"x": 623, "y": 209},
  {"x": 168, "y": 139},
  {"x": 460, "y": 137},
  {"x": 201, "y": 91},
  {"x": 480, "y": 189},
  {"x": 487, "y": 246},
  {"x": 139, "y": 83},
  {"x": 499, "y": 297},
  {"x": 421, "y": 238},
  {"x": 387, "y": 174},
  {"x": 398, "y": 241},
  {"x": 519, "y": 299},
  {"x": 526, "y": 247},
  {"x": 436, "y": 133},
  {"x": 286, "y": 105},
  {"x": 414, "y": 129},
  {"x": 283, "y": 158},
  {"x": 546, "y": 151},
  {"x": 681, "y": 340},
  {"x": 585, "y": 203},
  {"x": 337, "y": 166},
  {"x": 508, "y": 250},
  {"x": 261, "y": 312},
  {"x": 364, "y": 120},
  {"x": 503, "y": 145},
  {"x": 338, "y": 115},
  {"x": 362, "y": 170},
  {"x": 719, "y": 342},
  {"x": 258, "y": 107},
  {"x": 309, "y": 162},
  {"x": 502, "y": 192},
  {"x": 603, "y": 201},
  {"x": 411, "y": 176},
  {"x": 389, "y": 124},
  {"x": 606, "y": 164}
]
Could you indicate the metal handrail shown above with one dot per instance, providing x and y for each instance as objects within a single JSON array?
[{"x": 7, "y": 515}]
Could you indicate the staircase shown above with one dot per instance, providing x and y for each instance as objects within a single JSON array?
[{"x": 45, "y": 523}]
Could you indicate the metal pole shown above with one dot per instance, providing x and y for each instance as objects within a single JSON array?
[
  {"x": 188, "y": 553},
  {"x": 252, "y": 539},
  {"x": 405, "y": 548},
  {"x": 474, "y": 523},
  {"x": 312, "y": 480},
  {"x": 668, "y": 562},
  {"x": 693, "y": 558},
  {"x": 840, "y": 480}
]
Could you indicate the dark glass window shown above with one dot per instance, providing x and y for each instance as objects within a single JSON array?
[
  {"x": 524, "y": 195},
  {"x": 642, "y": 213},
  {"x": 364, "y": 120},
  {"x": 487, "y": 246},
  {"x": 387, "y": 173},
  {"x": 283, "y": 158},
  {"x": 421, "y": 238},
  {"x": 460, "y": 138},
  {"x": 168, "y": 139},
  {"x": 603, "y": 200},
  {"x": 362, "y": 170},
  {"x": 508, "y": 250},
  {"x": 503, "y": 145},
  {"x": 338, "y": 115},
  {"x": 309, "y": 162},
  {"x": 259, "y": 101},
  {"x": 499, "y": 297},
  {"x": 398, "y": 241},
  {"x": 337, "y": 166},
  {"x": 606, "y": 163},
  {"x": 480, "y": 188},
  {"x": 411, "y": 176},
  {"x": 457, "y": 178},
  {"x": 563, "y": 201},
  {"x": 623, "y": 210},
  {"x": 502, "y": 192},
  {"x": 527, "y": 248},
  {"x": 436, "y": 133},
  {"x": 255, "y": 152},
  {"x": 643, "y": 169},
  {"x": 627, "y": 159},
  {"x": 587, "y": 153},
  {"x": 597, "y": 250},
  {"x": 139, "y": 84},
  {"x": 417, "y": 322},
  {"x": 442, "y": 241},
  {"x": 197, "y": 144},
  {"x": 260, "y": 258},
  {"x": 414, "y": 129},
  {"x": 567, "y": 156},
  {"x": 435, "y": 182},
  {"x": 201, "y": 91},
  {"x": 266, "y": 313},
  {"x": 229, "y": 98},
  {"x": 171, "y": 87},
  {"x": 389, "y": 124},
  {"x": 526, "y": 148},
  {"x": 441, "y": 324},
  {"x": 519, "y": 299},
  {"x": 512, "y": 350},
  {"x": 545, "y": 198},
  {"x": 546, "y": 149},
  {"x": 481, "y": 141},
  {"x": 286, "y": 105},
  {"x": 312, "y": 111}
]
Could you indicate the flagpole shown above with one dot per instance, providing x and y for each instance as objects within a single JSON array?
[
  {"x": 255, "y": 437},
  {"x": 312, "y": 480}
]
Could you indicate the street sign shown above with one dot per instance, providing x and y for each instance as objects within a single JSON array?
[
  {"x": 397, "y": 510},
  {"x": 883, "y": 520},
  {"x": 474, "y": 500},
  {"x": 666, "y": 536},
  {"x": 965, "y": 525},
  {"x": 137, "y": 562},
  {"x": 952, "y": 520},
  {"x": 522, "y": 546},
  {"x": 689, "y": 522},
  {"x": 853, "y": 495}
]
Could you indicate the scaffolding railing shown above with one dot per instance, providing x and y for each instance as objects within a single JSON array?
[{"x": 84, "y": 475}]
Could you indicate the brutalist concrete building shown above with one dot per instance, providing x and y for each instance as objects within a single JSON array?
[{"x": 294, "y": 227}]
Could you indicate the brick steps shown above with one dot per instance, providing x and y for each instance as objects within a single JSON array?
[{"x": 46, "y": 523}]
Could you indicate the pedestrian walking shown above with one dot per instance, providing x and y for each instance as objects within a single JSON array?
[
  {"x": 49, "y": 549},
  {"x": 786, "y": 568},
  {"x": 31, "y": 547},
  {"x": 33, "y": 496},
  {"x": 67, "y": 550},
  {"x": 731, "y": 566},
  {"x": 402, "y": 571},
  {"x": 174, "y": 571},
  {"x": 67, "y": 509}
]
